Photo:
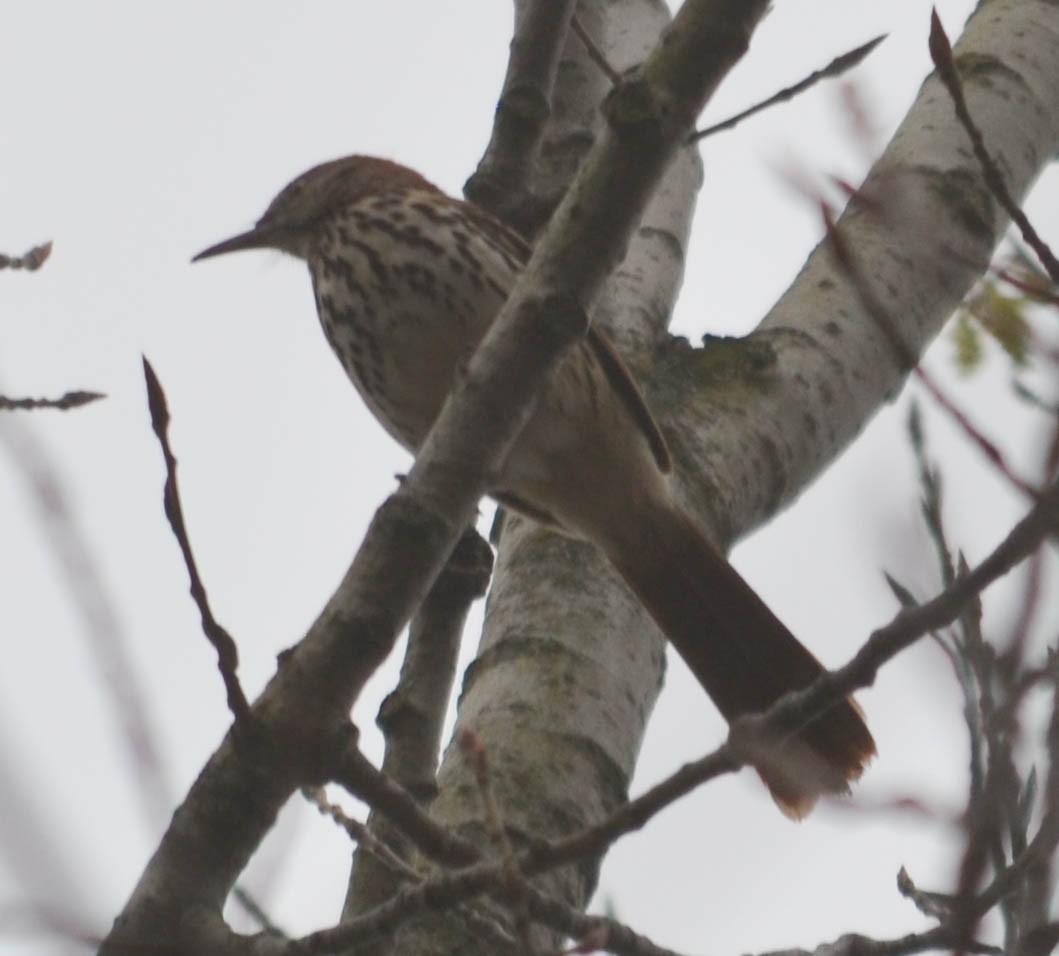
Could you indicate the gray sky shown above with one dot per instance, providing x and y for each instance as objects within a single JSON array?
[{"x": 135, "y": 135}]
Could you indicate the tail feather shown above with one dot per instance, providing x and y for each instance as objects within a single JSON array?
[{"x": 741, "y": 653}]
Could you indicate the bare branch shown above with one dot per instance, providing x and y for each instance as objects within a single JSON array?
[
  {"x": 412, "y": 719},
  {"x": 385, "y": 796},
  {"x": 64, "y": 402},
  {"x": 1039, "y": 851},
  {"x": 941, "y": 54},
  {"x": 436, "y": 894},
  {"x": 513, "y": 885},
  {"x": 501, "y": 183},
  {"x": 935, "y": 905},
  {"x": 595, "y": 932},
  {"x": 838, "y": 66},
  {"x": 480, "y": 922},
  {"x": 854, "y": 944},
  {"x": 798, "y": 708},
  {"x": 256, "y": 911},
  {"x": 594, "y": 52},
  {"x": 475, "y": 754},
  {"x": 227, "y": 653},
  {"x": 30, "y": 261},
  {"x": 912, "y": 623},
  {"x": 1042, "y": 874},
  {"x": 1001, "y": 804},
  {"x": 791, "y": 711},
  {"x": 360, "y": 834},
  {"x": 234, "y": 800}
]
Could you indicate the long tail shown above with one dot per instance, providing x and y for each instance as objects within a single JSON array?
[{"x": 741, "y": 653}]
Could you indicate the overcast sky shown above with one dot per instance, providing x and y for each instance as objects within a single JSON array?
[{"x": 134, "y": 135}]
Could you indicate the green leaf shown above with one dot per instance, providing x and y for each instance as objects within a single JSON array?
[
  {"x": 968, "y": 343},
  {"x": 1004, "y": 317}
]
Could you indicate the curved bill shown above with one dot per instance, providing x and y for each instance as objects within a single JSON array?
[{"x": 253, "y": 239}]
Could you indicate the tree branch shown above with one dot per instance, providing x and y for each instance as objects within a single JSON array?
[
  {"x": 748, "y": 735},
  {"x": 941, "y": 54},
  {"x": 390, "y": 799},
  {"x": 502, "y": 181},
  {"x": 412, "y": 719},
  {"x": 838, "y": 66},
  {"x": 63, "y": 403},
  {"x": 31, "y": 261},
  {"x": 223, "y": 644},
  {"x": 923, "y": 225}
]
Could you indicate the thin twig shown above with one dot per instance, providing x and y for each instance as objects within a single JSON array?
[
  {"x": 854, "y": 944},
  {"x": 514, "y": 885},
  {"x": 474, "y": 753},
  {"x": 437, "y": 894},
  {"x": 633, "y": 815},
  {"x": 1001, "y": 803},
  {"x": 64, "y": 402},
  {"x": 227, "y": 653},
  {"x": 257, "y": 912},
  {"x": 1041, "y": 847},
  {"x": 444, "y": 891},
  {"x": 798, "y": 708},
  {"x": 941, "y": 54},
  {"x": 1025, "y": 277},
  {"x": 791, "y": 712},
  {"x": 356, "y": 773},
  {"x": 481, "y": 922},
  {"x": 838, "y": 66},
  {"x": 412, "y": 718},
  {"x": 594, "y": 932},
  {"x": 785, "y": 717},
  {"x": 550, "y": 911},
  {"x": 595, "y": 54},
  {"x": 994, "y": 808},
  {"x": 930, "y": 503},
  {"x": 935, "y": 905},
  {"x": 30, "y": 261},
  {"x": 360, "y": 834},
  {"x": 508, "y": 179}
]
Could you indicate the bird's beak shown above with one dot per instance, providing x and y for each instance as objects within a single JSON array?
[{"x": 253, "y": 239}]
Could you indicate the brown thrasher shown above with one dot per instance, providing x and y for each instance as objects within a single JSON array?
[{"x": 407, "y": 281}]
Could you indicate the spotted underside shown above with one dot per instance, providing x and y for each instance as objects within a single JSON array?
[{"x": 406, "y": 288}]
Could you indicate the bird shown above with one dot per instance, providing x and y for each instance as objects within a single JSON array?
[{"x": 407, "y": 280}]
